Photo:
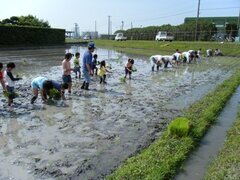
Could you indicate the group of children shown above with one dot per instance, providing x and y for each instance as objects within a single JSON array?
[
  {"x": 53, "y": 89},
  {"x": 50, "y": 88},
  {"x": 177, "y": 57},
  {"x": 217, "y": 52}
]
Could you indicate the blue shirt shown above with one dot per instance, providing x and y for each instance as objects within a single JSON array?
[
  {"x": 87, "y": 59},
  {"x": 56, "y": 85},
  {"x": 37, "y": 83}
]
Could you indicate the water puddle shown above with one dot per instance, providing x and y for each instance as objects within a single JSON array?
[
  {"x": 198, "y": 162},
  {"x": 76, "y": 137}
]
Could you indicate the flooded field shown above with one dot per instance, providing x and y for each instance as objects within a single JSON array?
[{"x": 92, "y": 132}]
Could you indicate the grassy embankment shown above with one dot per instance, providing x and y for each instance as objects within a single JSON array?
[
  {"x": 227, "y": 163},
  {"x": 152, "y": 47},
  {"x": 162, "y": 159}
]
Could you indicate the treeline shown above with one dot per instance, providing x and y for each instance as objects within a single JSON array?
[
  {"x": 205, "y": 32},
  {"x": 29, "y": 20},
  {"x": 29, "y": 30},
  {"x": 20, "y": 35}
]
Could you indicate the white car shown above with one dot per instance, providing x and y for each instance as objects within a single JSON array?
[
  {"x": 163, "y": 36},
  {"x": 120, "y": 37},
  {"x": 86, "y": 37}
]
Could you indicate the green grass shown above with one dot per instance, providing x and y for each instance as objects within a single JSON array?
[
  {"x": 70, "y": 40},
  {"x": 153, "y": 47},
  {"x": 179, "y": 127},
  {"x": 163, "y": 158},
  {"x": 227, "y": 163}
]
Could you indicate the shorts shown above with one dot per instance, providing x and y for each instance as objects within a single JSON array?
[
  {"x": 77, "y": 69},
  {"x": 127, "y": 71},
  {"x": 67, "y": 79},
  {"x": 11, "y": 92}
]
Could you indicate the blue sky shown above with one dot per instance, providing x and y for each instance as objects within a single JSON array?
[{"x": 64, "y": 13}]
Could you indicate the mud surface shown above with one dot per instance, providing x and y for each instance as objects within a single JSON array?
[{"x": 92, "y": 132}]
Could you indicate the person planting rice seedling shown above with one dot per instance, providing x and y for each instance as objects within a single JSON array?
[
  {"x": 167, "y": 60},
  {"x": 177, "y": 57},
  {"x": 156, "y": 61},
  {"x": 129, "y": 68},
  {"x": 51, "y": 88}
]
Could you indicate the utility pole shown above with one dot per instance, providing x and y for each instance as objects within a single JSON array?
[
  {"x": 76, "y": 30},
  {"x": 95, "y": 26},
  {"x": 196, "y": 31},
  {"x": 95, "y": 33},
  {"x": 239, "y": 25},
  {"x": 109, "y": 26},
  {"x": 131, "y": 31},
  {"x": 122, "y": 24}
]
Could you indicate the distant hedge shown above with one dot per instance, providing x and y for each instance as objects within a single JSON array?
[{"x": 20, "y": 35}]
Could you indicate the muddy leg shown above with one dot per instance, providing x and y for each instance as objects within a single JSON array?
[
  {"x": 104, "y": 79},
  {"x": 86, "y": 86},
  {"x": 83, "y": 85}
]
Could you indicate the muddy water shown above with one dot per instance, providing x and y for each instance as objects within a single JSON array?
[
  {"x": 92, "y": 132},
  {"x": 197, "y": 164}
]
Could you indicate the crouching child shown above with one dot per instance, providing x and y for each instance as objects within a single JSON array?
[{"x": 47, "y": 87}]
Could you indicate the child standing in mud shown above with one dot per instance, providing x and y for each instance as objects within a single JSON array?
[
  {"x": 129, "y": 68},
  {"x": 1, "y": 77},
  {"x": 77, "y": 65},
  {"x": 94, "y": 64},
  {"x": 10, "y": 82},
  {"x": 67, "y": 71},
  {"x": 102, "y": 72}
]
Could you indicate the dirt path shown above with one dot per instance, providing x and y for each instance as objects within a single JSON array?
[{"x": 92, "y": 132}]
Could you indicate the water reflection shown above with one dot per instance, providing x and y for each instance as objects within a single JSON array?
[{"x": 128, "y": 87}]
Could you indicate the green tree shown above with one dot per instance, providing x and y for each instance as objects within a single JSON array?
[
  {"x": 32, "y": 21},
  {"x": 29, "y": 20},
  {"x": 231, "y": 30},
  {"x": 14, "y": 20},
  {"x": 6, "y": 21}
]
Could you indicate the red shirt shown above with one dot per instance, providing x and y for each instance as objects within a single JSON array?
[{"x": 1, "y": 75}]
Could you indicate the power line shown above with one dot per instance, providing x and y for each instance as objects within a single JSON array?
[
  {"x": 220, "y": 8},
  {"x": 196, "y": 35}
]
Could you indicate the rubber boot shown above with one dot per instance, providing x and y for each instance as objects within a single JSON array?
[
  {"x": 33, "y": 99},
  {"x": 104, "y": 79},
  {"x": 152, "y": 68},
  {"x": 86, "y": 86},
  {"x": 83, "y": 85}
]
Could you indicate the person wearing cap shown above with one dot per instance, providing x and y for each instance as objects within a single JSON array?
[{"x": 86, "y": 66}]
